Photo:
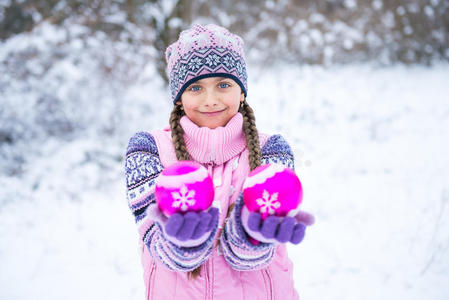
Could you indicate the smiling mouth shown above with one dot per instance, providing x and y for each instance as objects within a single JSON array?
[{"x": 212, "y": 113}]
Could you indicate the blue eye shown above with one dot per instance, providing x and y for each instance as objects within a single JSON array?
[
  {"x": 194, "y": 88},
  {"x": 224, "y": 85}
]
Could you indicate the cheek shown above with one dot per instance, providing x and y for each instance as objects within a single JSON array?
[
  {"x": 188, "y": 107},
  {"x": 233, "y": 99},
  {"x": 235, "y": 107},
  {"x": 190, "y": 113},
  {"x": 235, "y": 103}
]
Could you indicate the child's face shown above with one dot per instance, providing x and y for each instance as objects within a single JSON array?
[{"x": 212, "y": 102}]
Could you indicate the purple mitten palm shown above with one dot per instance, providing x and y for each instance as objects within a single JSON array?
[
  {"x": 192, "y": 225},
  {"x": 276, "y": 229},
  {"x": 188, "y": 230},
  {"x": 281, "y": 229}
]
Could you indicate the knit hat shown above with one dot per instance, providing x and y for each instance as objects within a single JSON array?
[{"x": 205, "y": 51}]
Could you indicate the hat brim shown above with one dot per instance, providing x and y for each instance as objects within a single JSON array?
[{"x": 226, "y": 75}]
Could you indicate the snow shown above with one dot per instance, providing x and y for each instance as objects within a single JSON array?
[
  {"x": 371, "y": 151},
  {"x": 378, "y": 180},
  {"x": 377, "y": 4}
]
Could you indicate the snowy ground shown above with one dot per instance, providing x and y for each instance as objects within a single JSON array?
[{"x": 371, "y": 150}]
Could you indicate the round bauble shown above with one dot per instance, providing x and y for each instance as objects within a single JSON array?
[
  {"x": 273, "y": 189},
  {"x": 182, "y": 187}
]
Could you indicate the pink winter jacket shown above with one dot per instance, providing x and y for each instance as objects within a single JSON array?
[{"x": 232, "y": 268}]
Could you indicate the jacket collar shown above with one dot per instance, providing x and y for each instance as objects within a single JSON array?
[{"x": 214, "y": 146}]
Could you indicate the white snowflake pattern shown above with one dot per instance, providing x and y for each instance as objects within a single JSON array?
[
  {"x": 228, "y": 61},
  {"x": 213, "y": 60},
  {"x": 195, "y": 63},
  {"x": 182, "y": 71},
  {"x": 239, "y": 67},
  {"x": 184, "y": 199},
  {"x": 268, "y": 203}
]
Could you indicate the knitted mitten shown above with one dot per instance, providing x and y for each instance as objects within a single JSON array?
[
  {"x": 273, "y": 229},
  {"x": 186, "y": 230},
  {"x": 272, "y": 195},
  {"x": 184, "y": 193}
]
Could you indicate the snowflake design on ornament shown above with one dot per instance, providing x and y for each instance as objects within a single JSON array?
[
  {"x": 184, "y": 199},
  {"x": 268, "y": 203}
]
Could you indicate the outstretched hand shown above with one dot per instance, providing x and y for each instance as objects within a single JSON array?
[
  {"x": 186, "y": 230},
  {"x": 192, "y": 225},
  {"x": 276, "y": 229},
  {"x": 282, "y": 229}
]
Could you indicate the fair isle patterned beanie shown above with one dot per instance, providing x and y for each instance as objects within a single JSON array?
[{"x": 205, "y": 51}]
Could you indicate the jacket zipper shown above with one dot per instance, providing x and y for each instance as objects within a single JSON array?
[
  {"x": 270, "y": 284},
  {"x": 211, "y": 152},
  {"x": 150, "y": 281},
  {"x": 207, "y": 279}
]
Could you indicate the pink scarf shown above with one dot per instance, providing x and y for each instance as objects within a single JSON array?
[{"x": 214, "y": 146}]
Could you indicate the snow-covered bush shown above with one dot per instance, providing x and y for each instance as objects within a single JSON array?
[{"x": 67, "y": 68}]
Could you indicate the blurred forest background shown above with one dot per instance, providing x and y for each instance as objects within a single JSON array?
[{"x": 58, "y": 56}]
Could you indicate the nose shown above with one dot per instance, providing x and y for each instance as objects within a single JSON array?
[{"x": 210, "y": 98}]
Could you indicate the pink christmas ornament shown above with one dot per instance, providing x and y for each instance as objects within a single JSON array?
[
  {"x": 182, "y": 187},
  {"x": 272, "y": 189}
]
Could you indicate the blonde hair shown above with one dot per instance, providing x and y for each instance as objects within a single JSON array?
[{"x": 252, "y": 143}]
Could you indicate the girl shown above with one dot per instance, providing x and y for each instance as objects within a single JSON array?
[{"x": 211, "y": 254}]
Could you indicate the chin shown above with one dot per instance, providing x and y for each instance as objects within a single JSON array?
[{"x": 212, "y": 125}]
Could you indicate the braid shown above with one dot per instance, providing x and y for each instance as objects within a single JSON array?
[
  {"x": 252, "y": 135},
  {"x": 194, "y": 274},
  {"x": 177, "y": 134}
]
